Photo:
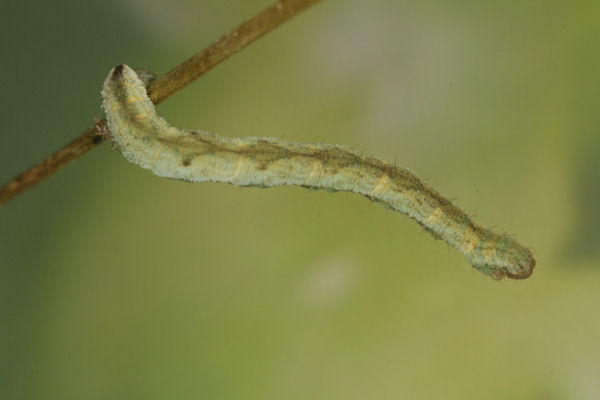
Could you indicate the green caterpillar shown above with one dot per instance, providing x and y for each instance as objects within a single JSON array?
[{"x": 149, "y": 141}]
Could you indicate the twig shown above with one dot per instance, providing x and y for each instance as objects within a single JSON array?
[{"x": 163, "y": 87}]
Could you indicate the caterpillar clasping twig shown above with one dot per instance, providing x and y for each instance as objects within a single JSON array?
[{"x": 149, "y": 141}]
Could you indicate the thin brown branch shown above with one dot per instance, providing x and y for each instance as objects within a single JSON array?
[{"x": 163, "y": 87}]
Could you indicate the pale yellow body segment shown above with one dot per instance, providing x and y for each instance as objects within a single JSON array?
[{"x": 150, "y": 142}]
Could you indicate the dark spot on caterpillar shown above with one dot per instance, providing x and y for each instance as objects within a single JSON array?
[
  {"x": 524, "y": 274},
  {"x": 97, "y": 139},
  {"x": 433, "y": 233},
  {"x": 118, "y": 71},
  {"x": 186, "y": 162},
  {"x": 310, "y": 187},
  {"x": 254, "y": 185}
]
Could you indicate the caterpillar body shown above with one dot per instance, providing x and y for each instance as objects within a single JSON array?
[{"x": 149, "y": 141}]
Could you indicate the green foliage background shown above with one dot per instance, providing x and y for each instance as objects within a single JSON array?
[{"x": 116, "y": 284}]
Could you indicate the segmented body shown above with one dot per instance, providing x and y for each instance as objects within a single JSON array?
[{"x": 150, "y": 142}]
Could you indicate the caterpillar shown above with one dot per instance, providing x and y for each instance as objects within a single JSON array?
[{"x": 147, "y": 140}]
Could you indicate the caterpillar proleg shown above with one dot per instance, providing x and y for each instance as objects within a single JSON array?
[{"x": 149, "y": 141}]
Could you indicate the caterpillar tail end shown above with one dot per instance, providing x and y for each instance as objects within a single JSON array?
[
  {"x": 524, "y": 272},
  {"x": 500, "y": 256}
]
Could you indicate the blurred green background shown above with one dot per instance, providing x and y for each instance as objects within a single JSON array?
[{"x": 116, "y": 284}]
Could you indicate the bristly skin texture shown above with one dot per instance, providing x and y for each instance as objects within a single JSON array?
[{"x": 149, "y": 141}]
